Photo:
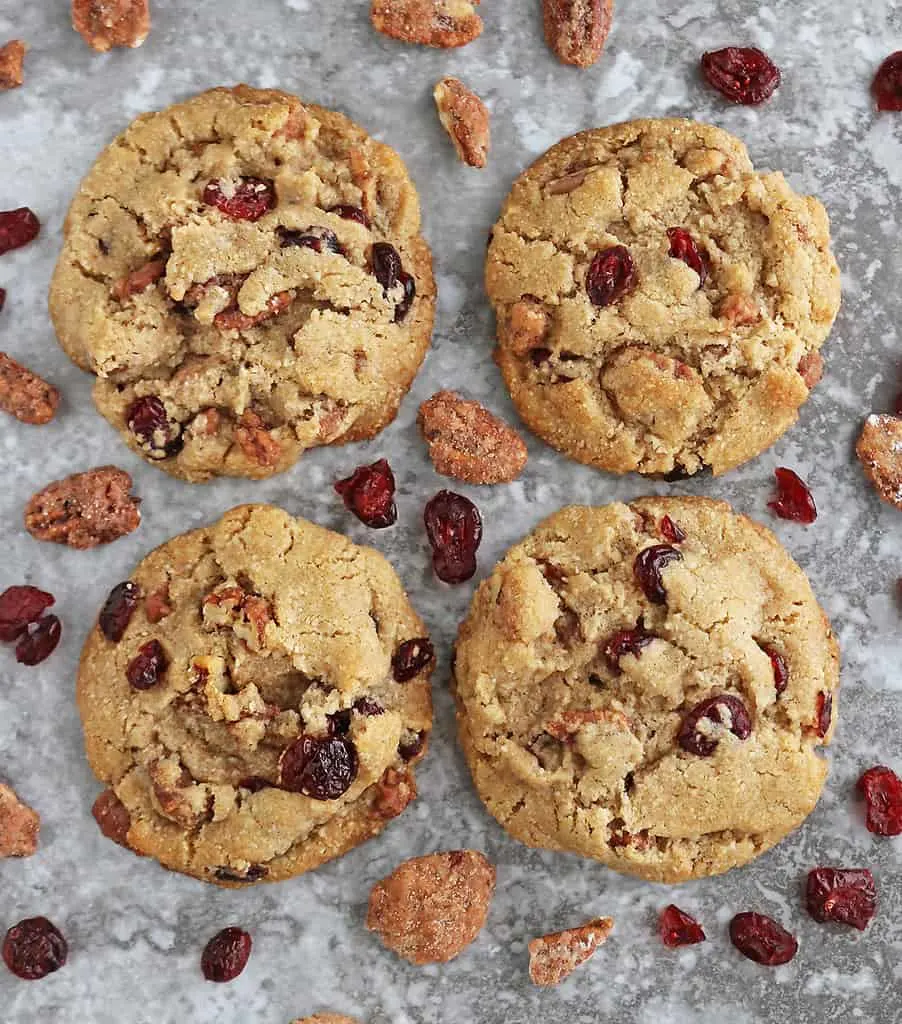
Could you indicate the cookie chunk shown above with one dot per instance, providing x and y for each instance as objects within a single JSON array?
[
  {"x": 659, "y": 302},
  {"x": 554, "y": 957},
  {"x": 244, "y": 275},
  {"x": 258, "y": 729},
  {"x": 19, "y": 826},
  {"x": 648, "y": 685},
  {"x": 879, "y": 450}
]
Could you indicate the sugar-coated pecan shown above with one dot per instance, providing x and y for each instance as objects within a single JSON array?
[
  {"x": 104, "y": 24},
  {"x": 19, "y": 826},
  {"x": 12, "y": 54},
  {"x": 24, "y": 394},
  {"x": 553, "y": 957},
  {"x": 465, "y": 118},
  {"x": 443, "y": 23},
  {"x": 85, "y": 509},
  {"x": 577, "y": 29}
]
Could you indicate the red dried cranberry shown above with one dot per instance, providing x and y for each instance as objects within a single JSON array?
[
  {"x": 368, "y": 708},
  {"x": 34, "y": 948},
  {"x": 762, "y": 939},
  {"x": 722, "y": 709},
  {"x": 410, "y": 293},
  {"x": 19, "y": 607},
  {"x": 677, "y": 928},
  {"x": 118, "y": 609},
  {"x": 250, "y": 199},
  {"x": 369, "y": 492},
  {"x": 411, "y": 658},
  {"x": 386, "y": 262},
  {"x": 39, "y": 641},
  {"x": 648, "y": 566},
  {"x": 2, "y": 299},
  {"x": 823, "y": 714},
  {"x": 672, "y": 532},
  {"x": 842, "y": 896},
  {"x": 793, "y": 500},
  {"x": 147, "y": 420},
  {"x": 340, "y": 722},
  {"x": 454, "y": 529},
  {"x": 226, "y": 955},
  {"x": 412, "y": 746},
  {"x": 887, "y": 84},
  {"x": 148, "y": 665},
  {"x": 351, "y": 213},
  {"x": 781, "y": 669},
  {"x": 882, "y": 791},
  {"x": 17, "y": 228},
  {"x": 315, "y": 238},
  {"x": 611, "y": 275},
  {"x": 319, "y": 767},
  {"x": 743, "y": 74},
  {"x": 683, "y": 247},
  {"x": 626, "y": 641}
]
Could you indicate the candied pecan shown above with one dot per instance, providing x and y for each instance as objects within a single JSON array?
[
  {"x": 553, "y": 957},
  {"x": 104, "y": 24},
  {"x": 19, "y": 825},
  {"x": 576, "y": 30},
  {"x": 879, "y": 450},
  {"x": 11, "y": 57},
  {"x": 112, "y": 817},
  {"x": 468, "y": 442},
  {"x": 443, "y": 23},
  {"x": 528, "y": 325},
  {"x": 85, "y": 509},
  {"x": 429, "y": 909},
  {"x": 139, "y": 280},
  {"x": 465, "y": 118},
  {"x": 811, "y": 369},
  {"x": 256, "y": 441},
  {"x": 394, "y": 791},
  {"x": 233, "y": 319},
  {"x": 24, "y": 394},
  {"x": 157, "y": 605}
]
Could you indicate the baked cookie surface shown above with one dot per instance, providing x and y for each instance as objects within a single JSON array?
[
  {"x": 251, "y": 699},
  {"x": 648, "y": 685},
  {"x": 244, "y": 274},
  {"x": 660, "y": 304}
]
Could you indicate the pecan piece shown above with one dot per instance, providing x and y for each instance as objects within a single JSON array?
[
  {"x": 325, "y": 1018},
  {"x": 245, "y": 613},
  {"x": 156, "y": 605},
  {"x": 443, "y": 23},
  {"x": 811, "y": 369},
  {"x": 112, "y": 817},
  {"x": 429, "y": 909},
  {"x": 879, "y": 450},
  {"x": 527, "y": 326},
  {"x": 256, "y": 441},
  {"x": 19, "y": 825},
  {"x": 569, "y": 723},
  {"x": 104, "y": 24},
  {"x": 468, "y": 442},
  {"x": 85, "y": 509},
  {"x": 139, "y": 280},
  {"x": 232, "y": 319},
  {"x": 12, "y": 54},
  {"x": 465, "y": 118},
  {"x": 553, "y": 957},
  {"x": 24, "y": 394},
  {"x": 739, "y": 309},
  {"x": 394, "y": 791},
  {"x": 576, "y": 30}
]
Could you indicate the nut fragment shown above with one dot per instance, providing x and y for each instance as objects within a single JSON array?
[
  {"x": 19, "y": 825},
  {"x": 577, "y": 29},
  {"x": 527, "y": 326},
  {"x": 157, "y": 606},
  {"x": 429, "y": 909},
  {"x": 85, "y": 509},
  {"x": 739, "y": 309},
  {"x": 256, "y": 441},
  {"x": 394, "y": 791},
  {"x": 325, "y": 1018},
  {"x": 139, "y": 280},
  {"x": 12, "y": 54},
  {"x": 24, "y": 394},
  {"x": 468, "y": 442},
  {"x": 879, "y": 450},
  {"x": 443, "y": 23},
  {"x": 811, "y": 369},
  {"x": 553, "y": 957},
  {"x": 465, "y": 118},
  {"x": 112, "y": 817},
  {"x": 104, "y": 24}
]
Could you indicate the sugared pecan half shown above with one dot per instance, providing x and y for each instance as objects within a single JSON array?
[
  {"x": 85, "y": 509},
  {"x": 553, "y": 957},
  {"x": 466, "y": 120},
  {"x": 24, "y": 394},
  {"x": 443, "y": 23},
  {"x": 879, "y": 450},
  {"x": 577, "y": 29},
  {"x": 12, "y": 54},
  {"x": 104, "y": 24},
  {"x": 19, "y": 826}
]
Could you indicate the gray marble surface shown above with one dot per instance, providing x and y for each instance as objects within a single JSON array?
[{"x": 135, "y": 932}]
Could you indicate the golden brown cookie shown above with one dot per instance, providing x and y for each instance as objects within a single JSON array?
[
  {"x": 255, "y": 722},
  {"x": 648, "y": 685},
  {"x": 244, "y": 274},
  {"x": 658, "y": 300}
]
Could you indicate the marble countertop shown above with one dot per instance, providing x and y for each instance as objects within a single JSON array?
[{"x": 135, "y": 932}]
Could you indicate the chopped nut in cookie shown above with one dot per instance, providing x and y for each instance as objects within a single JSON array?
[
  {"x": 553, "y": 957},
  {"x": 811, "y": 369},
  {"x": 394, "y": 791},
  {"x": 442, "y": 23},
  {"x": 24, "y": 394},
  {"x": 431, "y": 908},
  {"x": 466, "y": 120},
  {"x": 576, "y": 30},
  {"x": 256, "y": 441},
  {"x": 246, "y": 613},
  {"x": 879, "y": 450},
  {"x": 527, "y": 327},
  {"x": 12, "y": 54},
  {"x": 468, "y": 442},
  {"x": 156, "y": 605},
  {"x": 104, "y": 24},
  {"x": 19, "y": 825},
  {"x": 85, "y": 509},
  {"x": 139, "y": 280}
]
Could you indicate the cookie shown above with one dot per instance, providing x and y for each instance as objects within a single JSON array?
[
  {"x": 245, "y": 276},
  {"x": 264, "y": 715},
  {"x": 648, "y": 685},
  {"x": 658, "y": 300}
]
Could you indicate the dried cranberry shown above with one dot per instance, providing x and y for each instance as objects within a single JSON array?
[
  {"x": 410, "y": 293},
  {"x": 824, "y": 713},
  {"x": 2, "y": 299},
  {"x": 781, "y": 669},
  {"x": 369, "y": 492},
  {"x": 148, "y": 665},
  {"x": 677, "y": 928},
  {"x": 250, "y": 199},
  {"x": 793, "y": 500},
  {"x": 34, "y": 948},
  {"x": 887, "y": 84},
  {"x": 319, "y": 767},
  {"x": 19, "y": 607},
  {"x": 351, "y": 213},
  {"x": 315, "y": 238},
  {"x": 882, "y": 791},
  {"x": 611, "y": 275},
  {"x": 626, "y": 641},
  {"x": 683, "y": 247},
  {"x": 411, "y": 747},
  {"x": 368, "y": 708},
  {"x": 147, "y": 420},
  {"x": 340, "y": 722},
  {"x": 39, "y": 641},
  {"x": 672, "y": 532},
  {"x": 762, "y": 939},
  {"x": 386, "y": 262},
  {"x": 118, "y": 610},
  {"x": 722, "y": 709},
  {"x": 454, "y": 529},
  {"x": 411, "y": 658},
  {"x": 842, "y": 896},
  {"x": 17, "y": 228},
  {"x": 226, "y": 955},
  {"x": 743, "y": 74},
  {"x": 648, "y": 566}
]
